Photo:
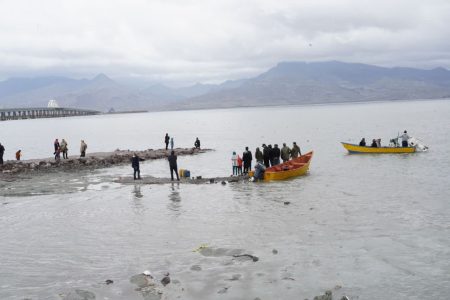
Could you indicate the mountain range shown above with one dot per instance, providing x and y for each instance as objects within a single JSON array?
[{"x": 288, "y": 83}]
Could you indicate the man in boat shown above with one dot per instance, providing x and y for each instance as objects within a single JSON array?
[
  {"x": 247, "y": 158},
  {"x": 258, "y": 156},
  {"x": 363, "y": 142},
  {"x": 276, "y": 155},
  {"x": 405, "y": 137},
  {"x": 259, "y": 171},
  {"x": 285, "y": 153},
  {"x": 374, "y": 144},
  {"x": 266, "y": 155},
  {"x": 295, "y": 152}
]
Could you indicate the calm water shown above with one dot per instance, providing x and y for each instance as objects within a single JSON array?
[{"x": 376, "y": 226}]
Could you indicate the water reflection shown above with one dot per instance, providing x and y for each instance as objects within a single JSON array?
[
  {"x": 137, "y": 204},
  {"x": 175, "y": 198},
  {"x": 137, "y": 191}
]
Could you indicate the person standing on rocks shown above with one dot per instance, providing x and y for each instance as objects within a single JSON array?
[
  {"x": 64, "y": 149},
  {"x": 83, "y": 148},
  {"x": 166, "y": 140},
  {"x": 173, "y": 164},
  {"x": 135, "y": 165},
  {"x": 56, "y": 145},
  {"x": 2, "y": 151},
  {"x": 197, "y": 143},
  {"x": 58, "y": 154},
  {"x": 18, "y": 154},
  {"x": 171, "y": 143},
  {"x": 247, "y": 158}
]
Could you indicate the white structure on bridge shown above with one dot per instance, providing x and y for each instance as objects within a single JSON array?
[{"x": 52, "y": 104}]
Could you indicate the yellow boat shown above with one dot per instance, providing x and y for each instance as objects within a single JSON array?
[
  {"x": 295, "y": 167},
  {"x": 352, "y": 148}
]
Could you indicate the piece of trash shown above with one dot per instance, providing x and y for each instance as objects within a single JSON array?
[
  {"x": 254, "y": 258},
  {"x": 109, "y": 281},
  {"x": 202, "y": 246},
  {"x": 147, "y": 273}
]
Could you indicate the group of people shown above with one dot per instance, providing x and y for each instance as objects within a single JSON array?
[
  {"x": 269, "y": 156},
  {"x": 169, "y": 140},
  {"x": 63, "y": 148},
  {"x": 376, "y": 143},
  {"x": 2, "y": 152},
  {"x": 172, "y": 158}
]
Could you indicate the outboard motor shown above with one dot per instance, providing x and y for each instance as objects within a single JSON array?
[{"x": 418, "y": 144}]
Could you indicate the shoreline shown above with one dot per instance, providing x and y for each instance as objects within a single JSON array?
[{"x": 12, "y": 168}]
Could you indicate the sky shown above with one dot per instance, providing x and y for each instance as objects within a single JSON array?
[{"x": 184, "y": 41}]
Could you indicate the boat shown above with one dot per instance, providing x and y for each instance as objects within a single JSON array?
[
  {"x": 353, "y": 148},
  {"x": 295, "y": 167}
]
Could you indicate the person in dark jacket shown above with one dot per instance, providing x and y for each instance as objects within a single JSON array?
[
  {"x": 166, "y": 140},
  {"x": 295, "y": 151},
  {"x": 271, "y": 155},
  {"x": 247, "y": 158},
  {"x": 266, "y": 155},
  {"x": 56, "y": 145},
  {"x": 363, "y": 142},
  {"x": 374, "y": 144},
  {"x": 135, "y": 165},
  {"x": 276, "y": 155},
  {"x": 197, "y": 143},
  {"x": 259, "y": 155},
  {"x": 173, "y": 165},
  {"x": 2, "y": 151}
]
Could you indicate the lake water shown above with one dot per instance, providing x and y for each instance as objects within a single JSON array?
[{"x": 366, "y": 226}]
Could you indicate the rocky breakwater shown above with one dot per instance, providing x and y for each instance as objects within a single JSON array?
[{"x": 11, "y": 169}]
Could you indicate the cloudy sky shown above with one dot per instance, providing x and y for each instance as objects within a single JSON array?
[{"x": 210, "y": 41}]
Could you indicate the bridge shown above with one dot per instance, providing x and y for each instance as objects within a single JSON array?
[{"x": 43, "y": 112}]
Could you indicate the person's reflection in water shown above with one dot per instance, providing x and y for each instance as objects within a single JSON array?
[
  {"x": 137, "y": 191},
  {"x": 175, "y": 198}
]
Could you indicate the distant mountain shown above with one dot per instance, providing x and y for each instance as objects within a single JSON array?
[
  {"x": 326, "y": 82},
  {"x": 285, "y": 84}
]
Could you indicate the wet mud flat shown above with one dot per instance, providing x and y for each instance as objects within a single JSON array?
[
  {"x": 193, "y": 180},
  {"x": 12, "y": 170}
]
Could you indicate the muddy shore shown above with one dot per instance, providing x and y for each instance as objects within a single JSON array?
[{"x": 11, "y": 169}]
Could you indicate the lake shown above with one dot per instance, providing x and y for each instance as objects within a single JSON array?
[{"x": 365, "y": 226}]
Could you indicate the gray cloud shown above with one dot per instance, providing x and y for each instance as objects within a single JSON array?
[{"x": 215, "y": 40}]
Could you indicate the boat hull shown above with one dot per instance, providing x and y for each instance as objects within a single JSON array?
[
  {"x": 352, "y": 148},
  {"x": 295, "y": 167}
]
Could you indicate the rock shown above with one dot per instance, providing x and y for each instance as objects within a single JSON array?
[
  {"x": 287, "y": 202},
  {"x": 344, "y": 298},
  {"x": 328, "y": 296},
  {"x": 80, "y": 295},
  {"x": 109, "y": 281},
  {"x": 275, "y": 251},
  {"x": 223, "y": 183},
  {"x": 166, "y": 279}
]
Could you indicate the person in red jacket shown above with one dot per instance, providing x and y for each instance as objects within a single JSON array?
[{"x": 239, "y": 162}]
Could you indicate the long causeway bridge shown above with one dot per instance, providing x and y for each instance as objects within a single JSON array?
[{"x": 43, "y": 112}]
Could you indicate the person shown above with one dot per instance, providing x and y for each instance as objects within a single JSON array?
[
  {"x": 266, "y": 155},
  {"x": 247, "y": 158},
  {"x": 58, "y": 154},
  {"x": 234, "y": 163},
  {"x": 64, "y": 149},
  {"x": 295, "y": 152},
  {"x": 405, "y": 137},
  {"x": 2, "y": 151},
  {"x": 259, "y": 171},
  {"x": 258, "y": 156},
  {"x": 239, "y": 162},
  {"x": 18, "y": 154},
  {"x": 56, "y": 145},
  {"x": 276, "y": 155},
  {"x": 379, "y": 143},
  {"x": 374, "y": 144},
  {"x": 135, "y": 165},
  {"x": 197, "y": 143},
  {"x": 362, "y": 142},
  {"x": 166, "y": 140},
  {"x": 271, "y": 154},
  {"x": 171, "y": 143},
  {"x": 83, "y": 148},
  {"x": 173, "y": 165},
  {"x": 285, "y": 153}
]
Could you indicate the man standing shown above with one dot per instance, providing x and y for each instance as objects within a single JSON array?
[
  {"x": 258, "y": 155},
  {"x": 247, "y": 158},
  {"x": 135, "y": 165},
  {"x": 56, "y": 145},
  {"x": 295, "y": 152},
  {"x": 276, "y": 155},
  {"x": 197, "y": 143},
  {"x": 2, "y": 151},
  {"x": 83, "y": 148},
  {"x": 166, "y": 140},
  {"x": 64, "y": 149},
  {"x": 285, "y": 153},
  {"x": 173, "y": 165},
  {"x": 266, "y": 155},
  {"x": 405, "y": 137}
]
